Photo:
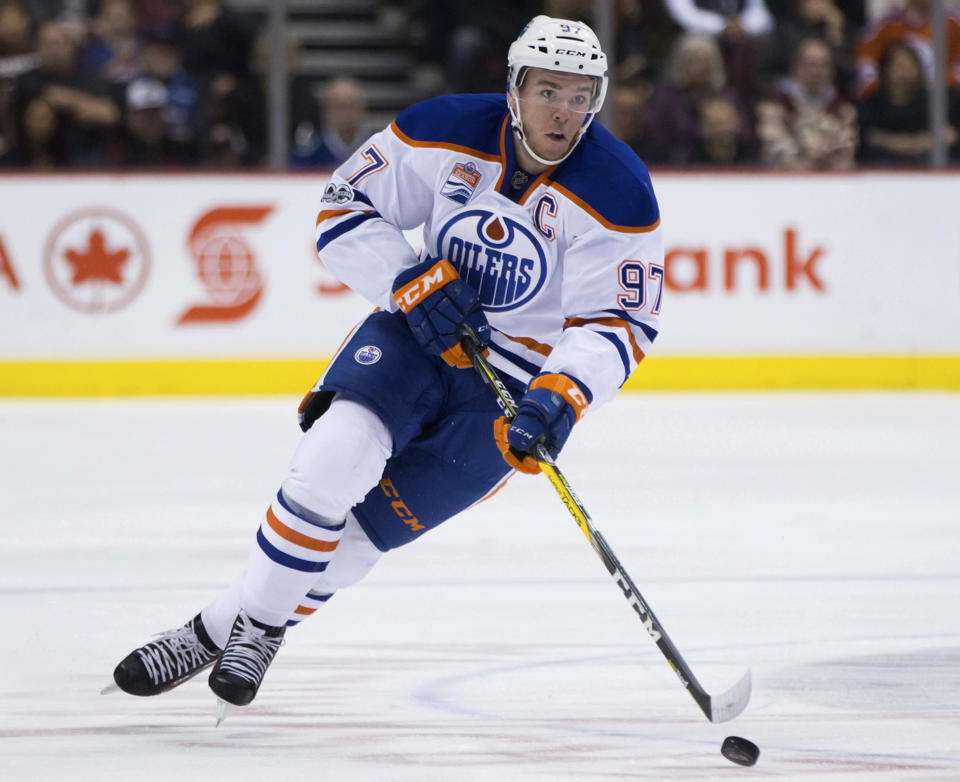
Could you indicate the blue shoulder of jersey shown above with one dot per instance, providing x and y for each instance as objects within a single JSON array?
[
  {"x": 607, "y": 175},
  {"x": 471, "y": 121}
]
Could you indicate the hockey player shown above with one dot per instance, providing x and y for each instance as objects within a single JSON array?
[{"x": 541, "y": 234}]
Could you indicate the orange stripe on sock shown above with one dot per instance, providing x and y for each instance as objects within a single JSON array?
[
  {"x": 298, "y": 537},
  {"x": 304, "y": 610}
]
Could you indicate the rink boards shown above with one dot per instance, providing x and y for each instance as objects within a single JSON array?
[{"x": 210, "y": 284}]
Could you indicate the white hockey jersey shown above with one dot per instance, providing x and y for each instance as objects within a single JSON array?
[{"x": 568, "y": 265}]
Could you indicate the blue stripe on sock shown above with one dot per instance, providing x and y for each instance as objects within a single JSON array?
[
  {"x": 288, "y": 509},
  {"x": 318, "y": 597},
  {"x": 304, "y": 565}
]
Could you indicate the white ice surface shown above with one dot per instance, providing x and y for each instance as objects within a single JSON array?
[{"x": 813, "y": 538}]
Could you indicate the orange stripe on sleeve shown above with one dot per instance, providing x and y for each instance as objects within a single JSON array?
[
  {"x": 630, "y": 229},
  {"x": 297, "y": 537},
  {"x": 615, "y": 322},
  {"x": 531, "y": 344},
  {"x": 326, "y": 214},
  {"x": 441, "y": 145}
]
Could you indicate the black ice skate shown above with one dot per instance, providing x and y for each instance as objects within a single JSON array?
[
  {"x": 249, "y": 651},
  {"x": 170, "y": 659}
]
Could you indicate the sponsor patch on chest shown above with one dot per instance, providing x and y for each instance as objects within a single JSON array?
[{"x": 461, "y": 182}]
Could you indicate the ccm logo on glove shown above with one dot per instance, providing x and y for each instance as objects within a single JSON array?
[
  {"x": 412, "y": 294},
  {"x": 547, "y": 412},
  {"x": 437, "y": 303}
]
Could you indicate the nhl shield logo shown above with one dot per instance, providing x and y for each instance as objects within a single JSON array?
[{"x": 368, "y": 354}]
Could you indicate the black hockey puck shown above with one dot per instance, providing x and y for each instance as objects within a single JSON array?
[{"x": 740, "y": 750}]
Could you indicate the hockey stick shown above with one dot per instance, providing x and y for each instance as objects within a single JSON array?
[{"x": 718, "y": 708}]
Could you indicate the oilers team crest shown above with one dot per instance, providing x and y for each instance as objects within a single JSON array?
[
  {"x": 368, "y": 354},
  {"x": 500, "y": 258}
]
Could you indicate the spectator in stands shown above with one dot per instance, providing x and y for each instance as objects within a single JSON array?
[
  {"x": 148, "y": 139},
  {"x": 344, "y": 127},
  {"x": 694, "y": 71},
  {"x": 303, "y": 106},
  {"x": 466, "y": 38},
  {"x": 214, "y": 42},
  {"x": 216, "y": 46},
  {"x": 82, "y": 113},
  {"x": 158, "y": 16},
  {"x": 38, "y": 129},
  {"x": 912, "y": 25},
  {"x": 632, "y": 61},
  {"x": 162, "y": 63},
  {"x": 16, "y": 58},
  {"x": 801, "y": 19},
  {"x": 16, "y": 39},
  {"x": 144, "y": 139},
  {"x": 722, "y": 18},
  {"x": 739, "y": 26},
  {"x": 720, "y": 141},
  {"x": 645, "y": 36},
  {"x": 806, "y": 124},
  {"x": 894, "y": 125},
  {"x": 114, "y": 51},
  {"x": 628, "y": 101},
  {"x": 73, "y": 15}
]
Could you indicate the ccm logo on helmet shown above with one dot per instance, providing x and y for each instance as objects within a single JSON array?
[{"x": 571, "y": 51}]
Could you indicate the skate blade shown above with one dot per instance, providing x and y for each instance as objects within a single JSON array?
[
  {"x": 110, "y": 688},
  {"x": 224, "y": 710}
]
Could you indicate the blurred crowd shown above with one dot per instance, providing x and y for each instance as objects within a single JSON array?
[{"x": 781, "y": 84}]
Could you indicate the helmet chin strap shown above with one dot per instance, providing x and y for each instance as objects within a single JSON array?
[{"x": 517, "y": 123}]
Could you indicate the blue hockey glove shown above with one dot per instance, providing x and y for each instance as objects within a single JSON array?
[
  {"x": 553, "y": 403},
  {"x": 437, "y": 303}
]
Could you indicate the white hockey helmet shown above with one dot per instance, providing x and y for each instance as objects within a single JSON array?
[{"x": 556, "y": 45}]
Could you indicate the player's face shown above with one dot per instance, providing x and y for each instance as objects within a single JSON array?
[{"x": 553, "y": 106}]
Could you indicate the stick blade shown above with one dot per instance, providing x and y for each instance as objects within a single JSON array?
[{"x": 731, "y": 703}]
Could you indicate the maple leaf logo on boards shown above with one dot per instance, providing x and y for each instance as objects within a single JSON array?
[{"x": 96, "y": 260}]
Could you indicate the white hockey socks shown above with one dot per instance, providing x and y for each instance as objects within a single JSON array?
[
  {"x": 354, "y": 558},
  {"x": 356, "y": 555},
  {"x": 338, "y": 461},
  {"x": 293, "y": 547}
]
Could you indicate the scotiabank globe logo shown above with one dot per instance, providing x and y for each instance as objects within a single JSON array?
[
  {"x": 225, "y": 264},
  {"x": 96, "y": 260}
]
